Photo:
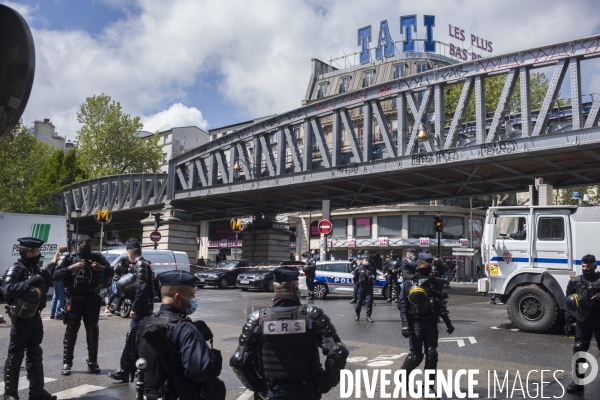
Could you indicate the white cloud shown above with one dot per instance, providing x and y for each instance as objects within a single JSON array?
[
  {"x": 177, "y": 115},
  {"x": 257, "y": 51}
]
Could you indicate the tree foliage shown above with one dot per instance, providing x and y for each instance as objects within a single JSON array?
[
  {"x": 109, "y": 143},
  {"x": 563, "y": 196}
]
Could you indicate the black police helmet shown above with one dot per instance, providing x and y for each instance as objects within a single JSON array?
[
  {"x": 417, "y": 295},
  {"x": 394, "y": 264}
]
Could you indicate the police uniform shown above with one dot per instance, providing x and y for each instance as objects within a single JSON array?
[
  {"x": 142, "y": 306},
  {"x": 121, "y": 266},
  {"x": 408, "y": 266},
  {"x": 391, "y": 265},
  {"x": 310, "y": 269},
  {"x": 353, "y": 265},
  {"x": 420, "y": 305},
  {"x": 25, "y": 288},
  {"x": 180, "y": 362},
  {"x": 364, "y": 275},
  {"x": 586, "y": 312},
  {"x": 278, "y": 352},
  {"x": 83, "y": 301}
]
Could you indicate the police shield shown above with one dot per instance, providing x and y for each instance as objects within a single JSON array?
[
  {"x": 26, "y": 305},
  {"x": 17, "y": 64},
  {"x": 573, "y": 304}
]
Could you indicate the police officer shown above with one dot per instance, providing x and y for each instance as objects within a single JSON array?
[
  {"x": 581, "y": 305},
  {"x": 310, "y": 269},
  {"x": 408, "y": 266},
  {"x": 84, "y": 273},
  {"x": 353, "y": 266},
  {"x": 364, "y": 275},
  {"x": 121, "y": 266},
  {"x": 140, "y": 308},
  {"x": 176, "y": 348},
  {"x": 278, "y": 353},
  {"x": 25, "y": 288},
  {"x": 420, "y": 304},
  {"x": 390, "y": 270}
]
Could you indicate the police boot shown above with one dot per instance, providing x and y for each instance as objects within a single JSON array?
[
  {"x": 12, "y": 367},
  {"x": 310, "y": 296},
  {"x": 68, "y": 348},
  {"x": 92, "y": 334},
  {"x": 353, "y": 301},
  {"x": 431, "y": 361},
  {"x": 120, "y": 375},
  {"x": 575, "y": 388},
  {"x": 35, "y": 374},
  {"x": 357, "y": 315},
  {"x": 369, "y": 319}
]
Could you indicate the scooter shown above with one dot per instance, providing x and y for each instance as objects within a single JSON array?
[{"x": 122, "y": 302}]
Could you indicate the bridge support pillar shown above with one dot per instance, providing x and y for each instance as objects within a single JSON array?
[
  {"x": 266, "y": 240},
  {"x": 178, "y": 231}
]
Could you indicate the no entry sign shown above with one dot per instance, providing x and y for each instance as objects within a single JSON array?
[
  {"x": 155, "y": 236},
  {"x": 325, "y": 227}
]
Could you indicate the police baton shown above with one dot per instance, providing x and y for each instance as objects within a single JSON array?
[{"x": 141, "y": 365}]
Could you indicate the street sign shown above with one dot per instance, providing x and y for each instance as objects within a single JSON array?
[
  {"x": 103, "y": 215},
  {"x": 424, "y": 242},
  {"x": 463, "y": 251},
  {"x": 155, "y": 236},
  {"x": 325, "y": 227}
]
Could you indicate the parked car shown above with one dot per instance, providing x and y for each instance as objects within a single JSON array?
[
  {"x": 224, "y": 274},
  {"x": 335, "y": 277},
  {"x": 262, "y": 276},
  {"x": 160, "y": 260}
]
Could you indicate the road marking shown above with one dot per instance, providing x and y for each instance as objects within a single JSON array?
[
  {"x": 23, "y": 383},
  {"x": 77, "y": 392},
  {"x": 246, "y": 395},
  {"x": 383, "y": 360},
  {"x": 459, "y": 340},
  {"x": 356, "y": 359}
]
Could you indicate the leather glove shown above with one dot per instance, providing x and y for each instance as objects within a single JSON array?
[
  {"x": 405, "y": 332},
  {"x": 218, "y": 362},
  {"x": 568, "y": 326},
  {"x": 450, "y": 329},
  {"x": 36, "y": 281},
  {"x": 47, "y": 277}
]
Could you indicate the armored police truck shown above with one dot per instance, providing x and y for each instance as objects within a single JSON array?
[{"x": 530, "y": 253}]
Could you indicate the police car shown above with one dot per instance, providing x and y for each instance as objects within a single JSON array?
[{"x": 335, "y": 277}]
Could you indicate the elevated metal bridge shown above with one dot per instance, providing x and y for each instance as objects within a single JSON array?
[{"x": 497, "y": 152}]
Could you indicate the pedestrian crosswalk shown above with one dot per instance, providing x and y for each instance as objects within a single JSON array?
[
  {"x": 23, "y": 383},
  {"x": 124, "y": 391},
  {"x": 77, "y": 392}
]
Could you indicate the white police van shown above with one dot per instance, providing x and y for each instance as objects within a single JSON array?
[
  {"x": 335, "y": 277},
  {"x": 160, "y": 260}
]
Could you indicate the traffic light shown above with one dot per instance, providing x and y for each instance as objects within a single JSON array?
[
  {"x": 157, "y": 220},
  {"x": 437, "y": 224}
]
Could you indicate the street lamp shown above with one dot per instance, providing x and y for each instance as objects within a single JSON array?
[
  {"x": 77, "y": 215},
  {"x": 422, "y": 136}
]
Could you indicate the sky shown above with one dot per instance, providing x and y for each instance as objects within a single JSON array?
[{"x": 211, "y": 63}]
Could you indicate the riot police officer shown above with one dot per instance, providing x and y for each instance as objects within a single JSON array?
[
  {"x": 176, "y": 348},
  {"x": 121, "y": 266},
  {"x": 353, "y": 265},
  {"x": 420, "y": 304},
  {"x": 391, "y": 265},
  {"x": 25, "y": 288},
  {"x": 140, "y": 308},
  {"x": 581, "y": 304},
  {"x": 310, "y": 269},
  {"x": 365, "y": 275},
  {"x": 278, "y": 352},
  {"x": 409, "y": 264},
  {"x": 84, "y": 273}
]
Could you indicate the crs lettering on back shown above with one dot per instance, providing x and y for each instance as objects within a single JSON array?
[{"x": 284, "y": 327}]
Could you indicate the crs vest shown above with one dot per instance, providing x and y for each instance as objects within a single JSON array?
[
  {"x": 289, "y": 345},
  {"x": 365, "y": 274},
  {"x": 419, "y": 298}
]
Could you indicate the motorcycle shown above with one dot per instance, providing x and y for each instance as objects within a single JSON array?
[{"x": 125, "y": 294}]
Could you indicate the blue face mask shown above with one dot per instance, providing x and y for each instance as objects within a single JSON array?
[{"x": 193, "y": 305}]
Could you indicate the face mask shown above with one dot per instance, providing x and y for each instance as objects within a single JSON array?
[
  {"x": 193, "y": 305},
  {"x": 32, "y": 261},
  {"x": 424, "y": 271},
  {"x": 85, "y": 251},
  {"x": 589, "y": 274}
]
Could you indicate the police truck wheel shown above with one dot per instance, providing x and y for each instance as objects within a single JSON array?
[
  {"x": 224, "y": 283},
  {"x": 320, "y": 291},
  {"x": 532, "y": 309},
  {"x": 125, "y": 309}
]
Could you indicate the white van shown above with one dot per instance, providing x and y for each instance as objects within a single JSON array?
[{"x": 161, "y": 260}]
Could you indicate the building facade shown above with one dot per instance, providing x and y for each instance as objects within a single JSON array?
[
  {"x": 46, "y": 132},
  {"x": 176, "y": 141}
]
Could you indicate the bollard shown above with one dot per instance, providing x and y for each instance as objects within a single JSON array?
[{"x": 141, "y": 365}]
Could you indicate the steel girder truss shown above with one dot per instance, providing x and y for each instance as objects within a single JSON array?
[
  {"x": 118, "y": 192},
  {"x": 205, "y": 170}
]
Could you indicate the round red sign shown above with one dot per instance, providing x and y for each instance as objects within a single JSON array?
[
  {"x": 325, "y": 227},
  {"x": 155, "y": 236}
]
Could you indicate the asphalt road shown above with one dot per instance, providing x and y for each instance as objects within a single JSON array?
[{"x": 484, "y": 340}]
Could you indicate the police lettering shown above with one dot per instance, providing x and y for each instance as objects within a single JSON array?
[{"x": 284, "y": 327}]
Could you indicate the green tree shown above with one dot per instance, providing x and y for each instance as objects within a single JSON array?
[
  {"x": 109, "y": 143},
  {"x": 493, "y": 89},
  {"x": 563, "y": 196},
  {"x": 22, "y": 162}
]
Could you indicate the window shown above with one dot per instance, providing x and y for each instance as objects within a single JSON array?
[
  {"x": 420, "y": 226},
  {"x": 339, "y": 228},
  {"x": 214, "y": 137},
  {"x": 422, "y": 67},
  {"x": 508, "y": 225},
  {"x": 296, "y": 131},
  {"x": 390, "y": 226},
  {"x": 551, "y": 229},
  {"x": 368, "y": 79},
  {"x": 398, "y": 71},
  {"x": 362, "y": 227},
  {"x": 453, "y": 227},
  {"x": 314, "y": 229},
  {"x": 322, "y": 90},
  {"x": 345, "y": 84},
  {"x": 164, "y": 157},
  {"x": 335, "y": 268}
]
